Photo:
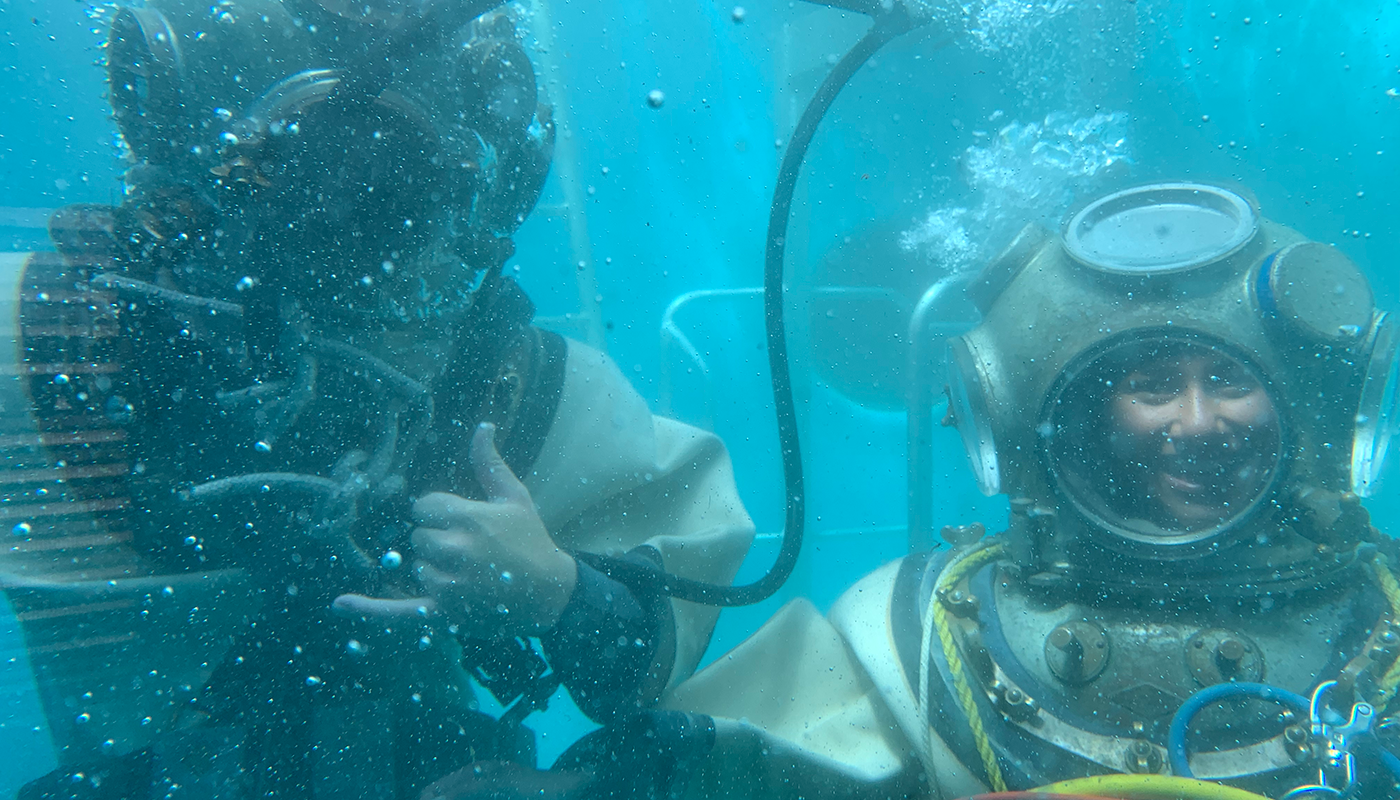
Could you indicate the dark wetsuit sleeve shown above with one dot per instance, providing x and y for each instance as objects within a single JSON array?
[{"x": 605, "y": 644}]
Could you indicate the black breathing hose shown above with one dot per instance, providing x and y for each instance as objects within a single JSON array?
[
  {"x": 890, "y": 21},
  {"x": 888, "y": 25}
]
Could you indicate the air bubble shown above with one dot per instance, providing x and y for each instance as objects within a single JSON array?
[
  {"x": 22, "y": 529},
  {"x": 391, "y": 560},
  {"x": 425, "y": 642},
  {"x": 262, "y": 447},
  {"x": 656, "y": 98}
]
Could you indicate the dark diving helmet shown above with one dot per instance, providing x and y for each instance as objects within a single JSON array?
[
  {"x": 301, "y": 290},
  {"x": 1176, "y": 377},
  {"x": 368, "y": 159}
]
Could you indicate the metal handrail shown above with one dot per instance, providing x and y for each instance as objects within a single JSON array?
[
  {"x": 919, "y": 390},
  {"x": 919, "y": 413},
  {"x": 673, "y": 337}
]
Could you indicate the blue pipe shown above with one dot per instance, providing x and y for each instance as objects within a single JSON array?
[
  {"x": 1176, "y": 734},
  {"x": 1373, "y": 747}
]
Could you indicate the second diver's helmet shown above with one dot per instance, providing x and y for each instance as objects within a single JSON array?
[{"x": 1177, "y": 379}]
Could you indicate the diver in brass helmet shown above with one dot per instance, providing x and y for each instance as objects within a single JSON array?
[
  {"x": 1185, "y": 403},
  {"x": 294, "y": 482}
]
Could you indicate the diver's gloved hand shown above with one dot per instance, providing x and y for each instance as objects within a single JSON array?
[{"x": 488, "y": 566}]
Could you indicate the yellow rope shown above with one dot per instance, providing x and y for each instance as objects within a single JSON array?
[
  {"x": 927, "y": 753},
  {"x": 1391, "y": 589},
  {"x": 952, "y": 574}
]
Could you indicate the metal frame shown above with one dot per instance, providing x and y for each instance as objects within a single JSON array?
[
  {"x": 919, "y": 390},
  {"x": 587, "y": 324},
  {"x": 918, "y": 408}
]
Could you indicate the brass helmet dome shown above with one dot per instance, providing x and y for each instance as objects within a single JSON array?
[{"x": 1153, "y": 299}]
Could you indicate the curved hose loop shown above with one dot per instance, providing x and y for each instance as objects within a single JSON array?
[
  {"x": 1176, "y": 734},
  {"x": 260, "y": 483},
  {"x": 888, "y": 25},
  {"x": 328, "y": 493},
  {"x": 1149, "y": 787}
]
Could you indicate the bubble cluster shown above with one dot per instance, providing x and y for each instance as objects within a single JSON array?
[{"x": 1025, "y": 171}]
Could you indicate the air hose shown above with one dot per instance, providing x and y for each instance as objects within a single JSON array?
[
  {"x": 1176, "y": 735},
  {"x": 890, "y": 22}
]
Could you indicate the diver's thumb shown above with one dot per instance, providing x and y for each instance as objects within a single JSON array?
[{"x": 492, "y": 472}]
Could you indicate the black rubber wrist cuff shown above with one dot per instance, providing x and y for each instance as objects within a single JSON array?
[{"x": 603, "y": 643}]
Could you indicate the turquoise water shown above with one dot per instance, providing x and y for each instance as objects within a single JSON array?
[{"x": 950, "y": 139}]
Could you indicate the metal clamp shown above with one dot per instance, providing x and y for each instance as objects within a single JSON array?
[{"x": 1336, "y": 771}]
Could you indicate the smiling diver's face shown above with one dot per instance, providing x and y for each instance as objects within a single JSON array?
[{"x": 1200, "y": 432}]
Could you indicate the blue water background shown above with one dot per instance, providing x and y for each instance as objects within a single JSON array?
[{"x": 1286, "y": 98}]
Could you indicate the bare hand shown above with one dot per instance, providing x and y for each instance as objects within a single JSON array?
[{"x": 488, "y": 566}]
